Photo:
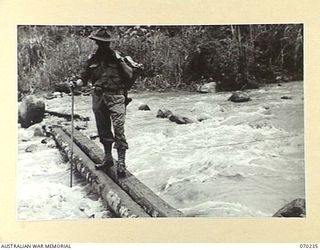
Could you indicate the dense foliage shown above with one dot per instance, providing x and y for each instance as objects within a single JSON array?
[{"x": 234, "y": 56}]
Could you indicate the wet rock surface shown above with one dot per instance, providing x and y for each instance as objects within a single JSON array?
[
  {"x": 296, "y": 208},
  {"x": 31, "y": 111},
  {"x": 144, "y": 107},
  {"x": 209, "y": 87},
  {"x": 239, "y": 96},
  {"x": 164, "y": 113}
]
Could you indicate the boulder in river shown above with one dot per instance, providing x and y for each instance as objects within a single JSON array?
[
  {"x": 180, "y": 119},
  {"x": 165, "y": 113},
  {"x": 144, "y": 107},
  {"x": 44, "y": 141},
  {"x": 203, "y": 117},
  {"x": 57, "y": 94},
  {"x": 239, "y": 96},
  {"x": 81, "y": 126},
  {"x": 31, "y": 148},
  {"x": 286, "y": 97},
  {"x": 93, "y": 136},
  {"x": 209, "y": 87},
  {"x": 31, "y": 111},
  {"x": 49, "y": 96},
  {"x": 296, "y": 208},
  {"x": 38, "y": 131}
]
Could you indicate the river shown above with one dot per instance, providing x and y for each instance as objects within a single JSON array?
[{"x": 242, "y": 160}]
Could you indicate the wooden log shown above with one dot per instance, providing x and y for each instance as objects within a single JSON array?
[
  {"x": 148, "y": 200},
  {"x": 117, "y": 199},
  {"x": 67, "y": 116}
]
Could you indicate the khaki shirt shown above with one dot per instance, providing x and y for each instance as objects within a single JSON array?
[{"x": 103, "y": 70}]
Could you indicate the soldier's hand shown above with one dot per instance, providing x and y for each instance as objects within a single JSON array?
[
  {"x": 79, "y": 83},
  {"x": 72, "y": 84}
]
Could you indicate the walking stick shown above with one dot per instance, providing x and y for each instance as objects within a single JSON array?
[{"x": 72, "y": 127}]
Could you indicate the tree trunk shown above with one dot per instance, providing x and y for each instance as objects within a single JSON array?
[
  {"x": 140, "y": 193},
  {"x": 117, "y": 200}
]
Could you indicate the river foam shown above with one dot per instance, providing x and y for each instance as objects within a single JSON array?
[{"x": 242, "y": 160}]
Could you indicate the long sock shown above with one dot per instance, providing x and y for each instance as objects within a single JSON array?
[{"x": 121, "y": 156}]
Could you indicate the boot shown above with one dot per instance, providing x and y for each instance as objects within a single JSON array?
[
  {"x": 107, "y": 160},
  {"x": 121, "y": 166}
]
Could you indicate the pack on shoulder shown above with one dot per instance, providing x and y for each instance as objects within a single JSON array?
[{"x": 130, "y": 68}]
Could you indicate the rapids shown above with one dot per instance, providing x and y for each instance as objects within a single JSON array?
[{"x": 242, "y": 160}]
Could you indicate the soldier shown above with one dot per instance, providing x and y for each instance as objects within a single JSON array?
[{"x": 108, "y": 73}]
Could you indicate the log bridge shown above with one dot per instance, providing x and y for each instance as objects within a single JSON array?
[{"x": 126, "y": 197}]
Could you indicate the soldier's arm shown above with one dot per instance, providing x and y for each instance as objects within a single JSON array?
[{"x": 126, "y": 70}]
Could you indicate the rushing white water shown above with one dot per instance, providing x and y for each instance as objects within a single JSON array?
[
  {"x": 43, "y": 190},
  {"x": 244, "y": 160}
]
